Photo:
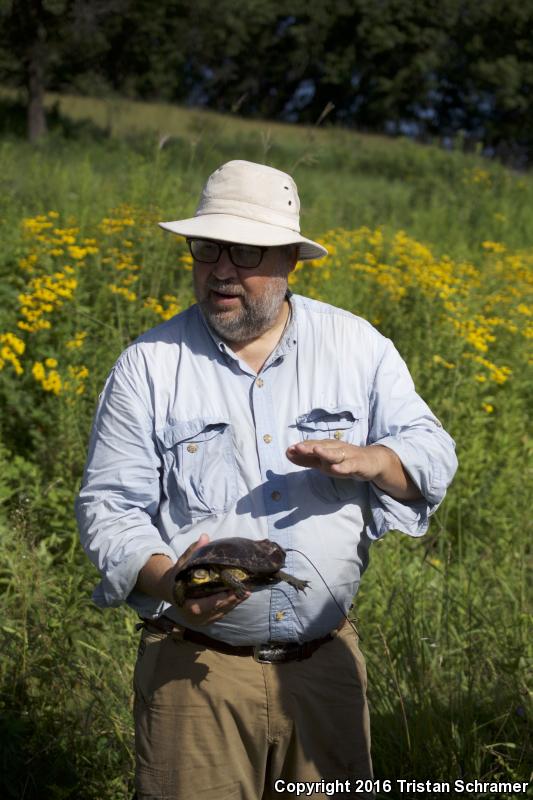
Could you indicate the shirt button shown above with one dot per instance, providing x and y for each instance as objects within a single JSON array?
[
  {"x": 279, "y": 615},
  {"x": 276, "y": 495},
  {"x": 259, "y": 382},
  {"x": 267, "y": 438},
  {"x": 338, "y": 434},
  {"x": 192, "y": 448}
]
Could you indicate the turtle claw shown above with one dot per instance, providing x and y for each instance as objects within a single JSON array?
[{"x": 298, "y": 584}]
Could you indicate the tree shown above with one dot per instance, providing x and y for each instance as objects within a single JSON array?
[
  {"x": 419, "y": 67},
  {"x": 35, "y": 37}
]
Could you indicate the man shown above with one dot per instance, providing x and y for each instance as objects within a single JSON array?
[{"x": 260, "y": 414}]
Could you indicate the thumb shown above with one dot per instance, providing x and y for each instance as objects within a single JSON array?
[
  {"x": 182, "y": 560},
  {"x": 203, "y": 540}
]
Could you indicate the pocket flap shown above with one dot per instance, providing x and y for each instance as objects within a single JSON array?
[
  {"x": 331, "y": 418},
  {"x": 198, "y": 430}
]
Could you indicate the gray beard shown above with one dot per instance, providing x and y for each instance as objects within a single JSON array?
[{"x": 254, "y": 318}]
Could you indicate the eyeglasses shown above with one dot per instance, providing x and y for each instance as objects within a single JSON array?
[{"x": 244, "y": 256}]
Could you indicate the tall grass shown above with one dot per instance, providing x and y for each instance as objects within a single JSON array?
[{"x": 446, "y": 620}]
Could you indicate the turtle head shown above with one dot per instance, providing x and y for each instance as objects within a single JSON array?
[{"x": 199, "y": 576}]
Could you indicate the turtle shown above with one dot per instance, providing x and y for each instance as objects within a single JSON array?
[{"x": 232, "y": 563}]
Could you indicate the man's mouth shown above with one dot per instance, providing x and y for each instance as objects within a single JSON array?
[
  {"x": 224, "y": 292},
  {"x": 222, "y": 298}
]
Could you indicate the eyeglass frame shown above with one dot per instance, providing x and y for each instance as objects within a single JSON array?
[{"x": 225, "y": 246}]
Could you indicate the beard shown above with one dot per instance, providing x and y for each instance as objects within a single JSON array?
[{"x": 255, "y": 316}]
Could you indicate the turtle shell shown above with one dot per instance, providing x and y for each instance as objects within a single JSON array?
[{"x": 261, "y": 557}]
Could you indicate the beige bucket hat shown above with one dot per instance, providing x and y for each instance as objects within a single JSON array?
[{"x": 249, "y": 203}]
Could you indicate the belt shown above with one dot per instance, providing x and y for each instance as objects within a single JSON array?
[{"x": 266, "y": 653}]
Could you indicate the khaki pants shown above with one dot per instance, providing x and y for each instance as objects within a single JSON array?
[{"x": 223, "y": 727}]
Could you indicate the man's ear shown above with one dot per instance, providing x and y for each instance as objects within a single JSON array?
[{"x": 293, "y": 257}]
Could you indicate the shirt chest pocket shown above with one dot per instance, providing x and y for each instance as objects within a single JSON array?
[
  {"x": 200, "y": 465},
  {"x": 345, "y": 424}
]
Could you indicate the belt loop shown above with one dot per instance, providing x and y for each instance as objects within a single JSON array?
[{"x": 304, "y": 652}]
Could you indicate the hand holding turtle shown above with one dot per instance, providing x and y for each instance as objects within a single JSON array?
[
  {"x": 158, "y": 578},
  {"x": 204, "y": 610}
]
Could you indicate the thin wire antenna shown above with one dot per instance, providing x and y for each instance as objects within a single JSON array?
[{"x": 294, "y": 550}]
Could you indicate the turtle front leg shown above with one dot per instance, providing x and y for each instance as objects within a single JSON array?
[
  {"x": 180, "y": 592},
  {"x": 233, "y": 582},
  {"x": 298, "y": 584}
]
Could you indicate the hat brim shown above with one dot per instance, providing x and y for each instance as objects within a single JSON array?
[{"x": 229, "y": 228}]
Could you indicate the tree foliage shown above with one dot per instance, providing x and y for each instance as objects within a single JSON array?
[{"x": 409, "y": 66}]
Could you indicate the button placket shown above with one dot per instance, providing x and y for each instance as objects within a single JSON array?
[{"x": 275, "y": 491}]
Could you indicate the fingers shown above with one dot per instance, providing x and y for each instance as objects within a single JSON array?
[
  {"x": 302, "y": 454},
  {"x": 313, "y": 453},
  {"x": 204, "y": 610},
  {"x": 329, "y": 454},
  {"x": 203, "y": 540}
]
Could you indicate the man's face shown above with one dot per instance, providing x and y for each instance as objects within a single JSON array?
[{"x": 241, "y": 304}]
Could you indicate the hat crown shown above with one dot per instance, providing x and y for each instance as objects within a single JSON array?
[{"x": 252, "y": 191}]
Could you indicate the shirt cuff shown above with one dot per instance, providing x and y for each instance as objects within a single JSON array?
[
  {"x": 118, "y": 584},
  {"x": 427, "y": 473},
  {"x": 408, "y": 516},
  {"x": 388, "y": 514}
]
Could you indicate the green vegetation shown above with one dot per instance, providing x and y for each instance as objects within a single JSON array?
[
  {"x": 432, "y": 247},
  {"x": 455, "y": 69}
]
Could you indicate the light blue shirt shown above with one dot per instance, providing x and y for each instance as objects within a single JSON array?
[{"x": 189, "y": 439}]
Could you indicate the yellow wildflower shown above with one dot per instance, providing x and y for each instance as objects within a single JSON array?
[
  {"x": 52, "y": 382},
  {"x": 77, "y": 341},
  {"x": 38, "y": 371},
  {"x": 493, "y": 247},
  {"x": 11, "y": 348},
  {"x": 123, "y": 292},
  {"x": 77, "y": 252},
  {"x": 439, "y": 360}
]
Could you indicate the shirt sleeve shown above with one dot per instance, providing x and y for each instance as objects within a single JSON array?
[
  {"x": 120, "y": 494},
  {"x": 402, "y": 421}
]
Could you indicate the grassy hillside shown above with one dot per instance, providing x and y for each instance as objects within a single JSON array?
[
  {"x": 134, "y": 152},
  {"x": 435, "y": 249}
]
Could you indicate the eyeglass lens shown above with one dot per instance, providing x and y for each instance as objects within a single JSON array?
[{"x": 241, "y": 255}]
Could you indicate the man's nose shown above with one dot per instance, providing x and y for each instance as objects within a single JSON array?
[{"x": 224, "y": 267}]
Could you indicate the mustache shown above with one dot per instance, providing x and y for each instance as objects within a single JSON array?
[{"x": 224, "y": 286}]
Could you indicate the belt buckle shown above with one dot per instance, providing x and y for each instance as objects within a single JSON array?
[{"x": 272, "y": 652}]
